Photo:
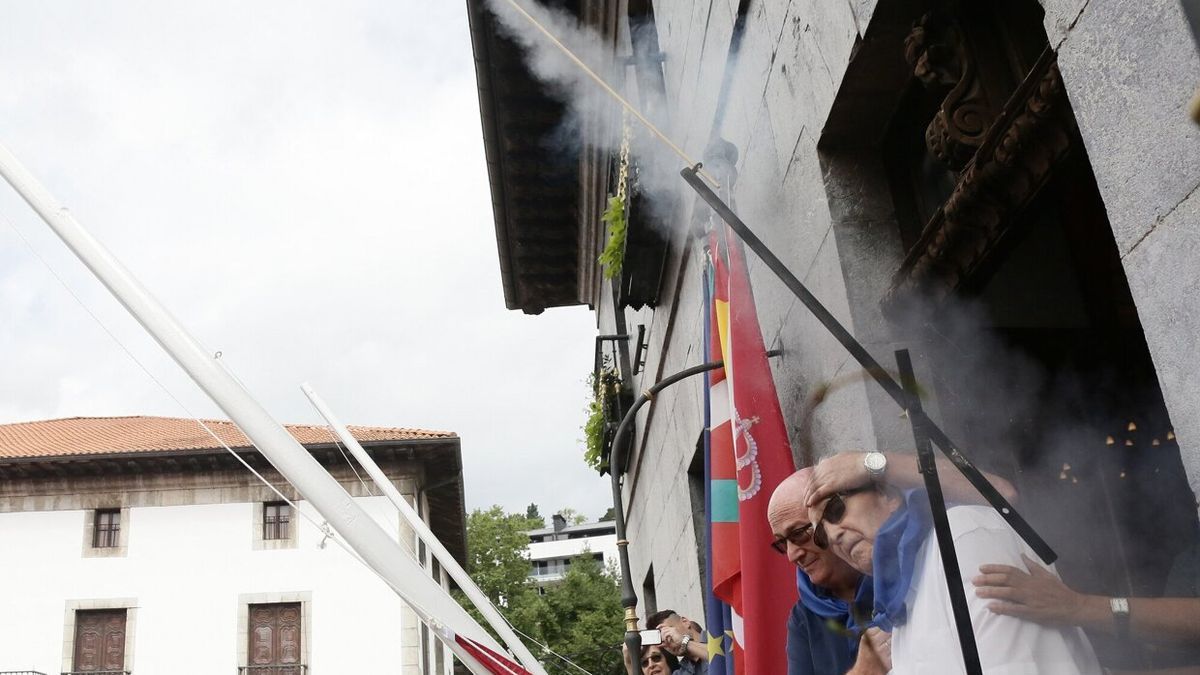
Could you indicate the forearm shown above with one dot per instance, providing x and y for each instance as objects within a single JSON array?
[
  {"x": 1163, "y": 621},
  {"x": 696, "y": 650},
  {"x": 903, "y": 472}
]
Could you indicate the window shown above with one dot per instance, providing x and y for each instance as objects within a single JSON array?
[
  {"x": 277, "y": 518},
  {"x": 106, "y": 532}
]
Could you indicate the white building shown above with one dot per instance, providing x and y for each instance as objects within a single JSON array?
[
  {"x": 551, "y": 549},
  {"x": 139, "y": 545}
]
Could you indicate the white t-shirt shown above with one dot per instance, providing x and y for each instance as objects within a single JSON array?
[{"x": 928, "y": 641}]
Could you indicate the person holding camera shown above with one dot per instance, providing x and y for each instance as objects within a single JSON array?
[{"x": 683, "y": 638}]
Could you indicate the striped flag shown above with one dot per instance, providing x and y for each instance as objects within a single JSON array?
[
  {"x": 749, "y": 455},
  {"x": 720, "y": 500}
]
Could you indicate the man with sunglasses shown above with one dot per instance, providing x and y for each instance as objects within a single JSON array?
[
  {"x": 832, "y": 593},
  {"x": 886, "y": 532}
]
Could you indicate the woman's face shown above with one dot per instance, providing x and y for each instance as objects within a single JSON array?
[{"x": 653, "y": 661}]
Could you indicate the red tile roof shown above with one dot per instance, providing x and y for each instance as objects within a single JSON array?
[{"x": 76, "y": 436}]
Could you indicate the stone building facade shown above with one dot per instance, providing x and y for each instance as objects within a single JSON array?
[
  {"x": 140, "y": 545},
  {"x": 1007, "y": 190}
]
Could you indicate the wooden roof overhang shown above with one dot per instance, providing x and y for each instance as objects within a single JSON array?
[
  {"x": 440, "y": 458},
  {"x": 533, "y": 170}
]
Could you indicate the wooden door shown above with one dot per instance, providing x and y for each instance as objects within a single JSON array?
[
  {"x": 99, "y": 641},
  {"x": 275, "y": 639}
]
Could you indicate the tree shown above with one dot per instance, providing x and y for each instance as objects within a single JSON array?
[
  {"x": 578, "y": 617},
  {"x": 610, "y": 514},
  {"x": 531, "y": 512},
  {"x": 572, "y": 516}
]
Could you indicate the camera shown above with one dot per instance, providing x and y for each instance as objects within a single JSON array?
[{"x": 651, "y": 637}]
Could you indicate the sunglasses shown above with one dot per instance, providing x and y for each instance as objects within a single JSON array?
[
  {"x": 655, "y": 657},
  {"x": 835, "y": 510},
  {"x": 797, "y": 537}
]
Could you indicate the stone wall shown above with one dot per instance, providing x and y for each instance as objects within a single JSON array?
[{"x": 1129, "y": 68}]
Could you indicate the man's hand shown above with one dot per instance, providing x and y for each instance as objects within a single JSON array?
[
  {"x": 671, "y": 638},
  {"x": 1036, "y": 595},
  {"x": 837, "y": 473},
  {"x": 874, "y": 653}
]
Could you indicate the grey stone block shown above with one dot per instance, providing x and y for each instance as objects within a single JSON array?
[
  {"x": 1129, "y": 69},
  {"x": 1164, "y": 278}
]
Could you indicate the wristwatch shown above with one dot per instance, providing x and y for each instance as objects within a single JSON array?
[
  {"x": 683, "y": 644},
  {"x": 876, "y": 464},
  {"x": 1120, "y": 612}
]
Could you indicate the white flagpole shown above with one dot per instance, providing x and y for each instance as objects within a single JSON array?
[
  {"x": 364, "y": 535},
  {"x": 456, "y": 572}
]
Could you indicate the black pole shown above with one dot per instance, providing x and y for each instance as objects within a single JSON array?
[
  {"x": 633, "y": 639},
  {"x": 868, "y": 362},
  {"x": 941, "y": 522}
]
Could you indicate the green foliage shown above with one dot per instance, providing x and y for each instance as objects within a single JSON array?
[
  {"x": 572, "y": 516},
  {"x": 531, "y": 513},
  {"x": 610, "y": 514},
  {"x": 595, "y": 427},
  {"x": 578, "y": 617},
  {"x": 614, "y": 249}
]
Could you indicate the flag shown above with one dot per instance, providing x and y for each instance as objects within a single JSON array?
[
  {"x": 749, "y": 456},
  {"x": 490, "y": 659},
  {"x": 720, "y": 504}
]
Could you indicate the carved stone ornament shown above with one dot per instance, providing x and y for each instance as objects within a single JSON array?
[
  {"x": 1015, "y": 160},
  {"x": 942, "y": 60}
]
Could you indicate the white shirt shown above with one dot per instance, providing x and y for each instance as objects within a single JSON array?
[{"x": 928, "y": 640}]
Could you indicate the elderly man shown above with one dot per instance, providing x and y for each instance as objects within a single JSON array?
[
  {"x": 882, "y": 531},
  {"x": 832, "y": 592}
]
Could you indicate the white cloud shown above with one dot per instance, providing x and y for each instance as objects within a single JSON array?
[{"x": 303, "y": 185}]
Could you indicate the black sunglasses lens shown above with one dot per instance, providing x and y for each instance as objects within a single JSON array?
[{"x": 835, "y": 510}]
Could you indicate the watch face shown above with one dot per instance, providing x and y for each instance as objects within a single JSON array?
[{"x": 875, "y": 461}]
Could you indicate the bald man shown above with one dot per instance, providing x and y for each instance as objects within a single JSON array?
[{"x": 832, "y": 593}]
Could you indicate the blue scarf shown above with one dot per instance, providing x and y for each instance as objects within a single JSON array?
[
  {"x": 828, "y": 606},
  {"x": 895, "y": 557}
]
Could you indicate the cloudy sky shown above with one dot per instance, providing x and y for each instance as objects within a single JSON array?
[{"x": 303, "y": 185}]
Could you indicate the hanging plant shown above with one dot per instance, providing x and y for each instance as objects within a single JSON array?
[
  {"x": 614, "y": 214},
  {"x": 613, "y": 254},
  {"x": 598, "y": 427}
]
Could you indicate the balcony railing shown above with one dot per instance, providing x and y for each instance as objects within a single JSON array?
[
  {"x": 98, "y": 672},
  {"x": 294, "y": 669},
  {"x": 21, "y": 672}
]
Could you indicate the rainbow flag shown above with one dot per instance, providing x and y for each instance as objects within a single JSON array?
[{"x": 749, "y": 455}]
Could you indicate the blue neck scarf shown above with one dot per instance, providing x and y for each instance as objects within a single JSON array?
[
  {"x": 895, "y": 557},
  {"x": 828, "y": 606}
]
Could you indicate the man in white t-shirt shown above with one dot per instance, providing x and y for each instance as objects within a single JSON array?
[{"x": 911, "y": 592}]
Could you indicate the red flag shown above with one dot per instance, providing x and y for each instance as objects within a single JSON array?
[
  {"x": 494, "y": 661},
  {"x": 763, "y": 591}
]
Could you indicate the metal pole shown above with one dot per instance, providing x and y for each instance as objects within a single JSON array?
[
  {"x": 285, "y": 453},
  {"x": 456, "y": 572},
  {"x": 872, "y": 367},
  {"x": 941, "y": 522},
  {"x": 633, "y": 639}
]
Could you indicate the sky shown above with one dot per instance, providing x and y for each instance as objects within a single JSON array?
[{"x": 303, "y": 186}]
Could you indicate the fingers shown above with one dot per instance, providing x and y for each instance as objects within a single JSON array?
[
  {"x": 1036, "y": 569},
  {"x": 1011, "y": 609},
  {"x": 998, "y": 593},
  {"x": 999, "y": 569},
  {"x": 993, "y": 579},
  {"x": 816, "y": 493}
]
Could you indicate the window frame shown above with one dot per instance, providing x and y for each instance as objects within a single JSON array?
[{"x": 91, "y": 533}]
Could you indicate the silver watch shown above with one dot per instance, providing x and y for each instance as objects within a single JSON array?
[
  {"x": 876, "y": 464},
  {"x": 684, "y": 642}
]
